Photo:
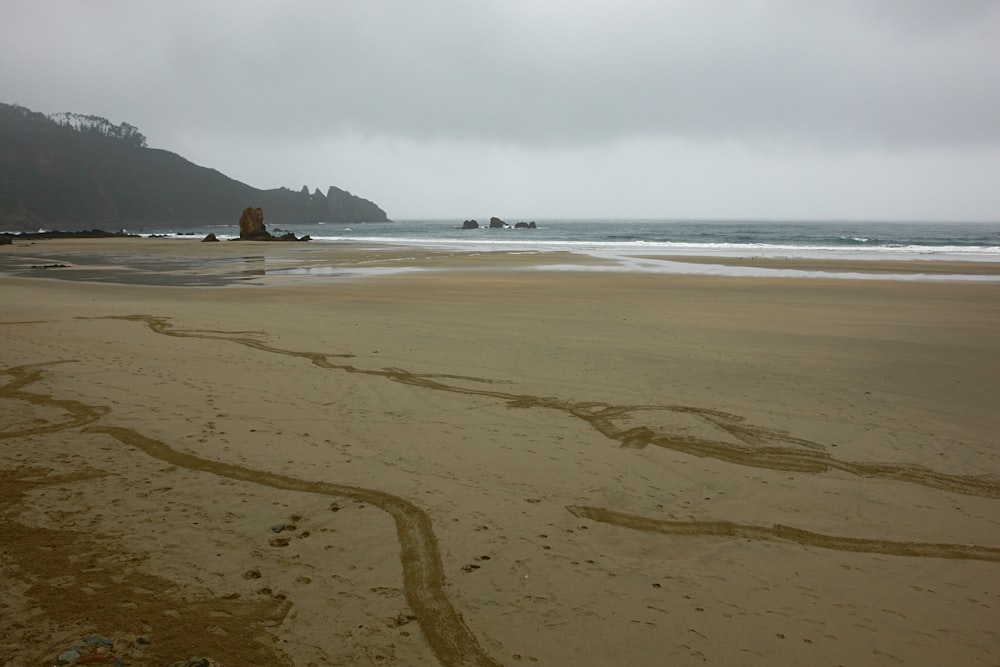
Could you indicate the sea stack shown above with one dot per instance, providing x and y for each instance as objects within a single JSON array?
[
  {"x": 252, "y": 225},
  {"x": 252, "y": 228}
]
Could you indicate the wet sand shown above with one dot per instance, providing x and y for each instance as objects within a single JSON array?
[{"x": 479, "y": 464}]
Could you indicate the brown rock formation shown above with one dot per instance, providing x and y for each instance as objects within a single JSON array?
[
  {"x": 252, "y": 228},
  {"x": 252, "y": 225}
]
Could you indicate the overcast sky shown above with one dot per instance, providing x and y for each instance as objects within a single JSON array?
[{"x": 796, "y": 109}]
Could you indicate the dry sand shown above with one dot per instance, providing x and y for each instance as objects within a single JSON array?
[{"x": 484, "y": 466}]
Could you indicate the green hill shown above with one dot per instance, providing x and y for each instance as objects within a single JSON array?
[{"x": 80, "y": 172}]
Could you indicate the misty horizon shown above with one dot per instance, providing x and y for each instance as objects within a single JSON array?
[{"x": 679, "y": 110}]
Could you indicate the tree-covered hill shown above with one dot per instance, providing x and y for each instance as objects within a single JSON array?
[{"x": 71, "y": 171}]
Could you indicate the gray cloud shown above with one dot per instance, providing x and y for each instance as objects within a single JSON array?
[{"x": 778, "y": 78}]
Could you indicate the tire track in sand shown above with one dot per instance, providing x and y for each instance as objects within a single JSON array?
[
  {"x": 782, "y": 533},
  {"x": 79, "y": 413},
  {"x": 754, "y": 446},
  {"x": 450, "y": 640}
]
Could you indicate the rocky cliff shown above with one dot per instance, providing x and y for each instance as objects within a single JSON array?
[{"x": 81, "y": 172}]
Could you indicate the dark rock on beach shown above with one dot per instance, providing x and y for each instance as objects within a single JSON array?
[
  {"x": 83, "y": 234},
  {"x": 252, "y": 225},
  {"x": 210, "y": 238},
  {"x": 252, "y": 228},
  {"x": 96, "y": 650},
  {"x": 194, "y": 662}
]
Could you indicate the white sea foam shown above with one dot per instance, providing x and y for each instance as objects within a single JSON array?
[
  {"x": 647, "y": 246},
  {"x": 947, "y": 252}
]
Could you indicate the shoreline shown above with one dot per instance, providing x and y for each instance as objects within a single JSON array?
[
  {"x": 972, "y": 266},
  {"x": 481, "y": 461},
  {"x": 184, "y": 262}
]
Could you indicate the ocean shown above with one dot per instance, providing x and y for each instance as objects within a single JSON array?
[
  {"x": 948, "y": 251},
  {"x": 846, "y": 240}
]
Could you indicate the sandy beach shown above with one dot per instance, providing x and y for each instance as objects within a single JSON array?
[{"x": 306, "y": 454}]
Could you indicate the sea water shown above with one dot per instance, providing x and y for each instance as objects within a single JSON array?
[
  {"x": 847, "y": 240},
  {"x": 647, "y": 246}
]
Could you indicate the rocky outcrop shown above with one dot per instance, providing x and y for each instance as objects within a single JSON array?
[
  {"x": 317, "y": 207},
  {"x": 252, "y": 228},
  {"x": 78, "y": 234},
  {"x": 342, "y": 206},
  {"x": 497, "y": 223},
  {"x": 210, "y": 238},
  {"x": 79, "y": 172},
  {"x": 289, "y": 236},
  {"x": 252, "y": 225}
]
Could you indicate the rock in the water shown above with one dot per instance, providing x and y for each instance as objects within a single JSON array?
[
  {"x": 497, "y": 223},
  {"x": 470, "y": 224},
  {"x": 526, "y": 225},
  {"x": 210, "y": 237}
]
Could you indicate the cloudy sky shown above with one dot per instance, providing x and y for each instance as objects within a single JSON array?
[{"x": 773, "y": 109}]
